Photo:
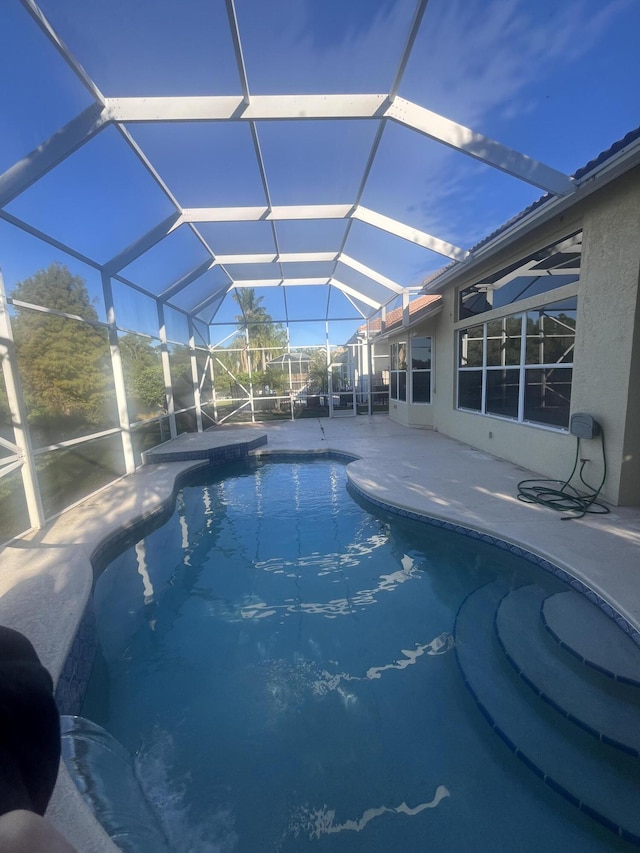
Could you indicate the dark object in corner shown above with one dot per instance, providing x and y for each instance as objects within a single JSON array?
[{"x": 29, "y": 727}]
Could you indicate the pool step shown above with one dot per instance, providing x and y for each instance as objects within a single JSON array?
[
  {"x": 596, "y": 777},
  {"x": 608, "y": 711},
  {"x": 592, "y": 636}
]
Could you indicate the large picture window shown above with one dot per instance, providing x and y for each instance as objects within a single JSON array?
[{"x": 520, "y": 366}]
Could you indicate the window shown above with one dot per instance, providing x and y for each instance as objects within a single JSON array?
[
  {"x": 540, "y": 272},
  {"x": 520, "y": 366},
  {"x": 421, "y": 370},
  {"x": 398, "y": 373}
]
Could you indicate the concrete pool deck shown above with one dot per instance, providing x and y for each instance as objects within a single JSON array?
[{"x": 46, "y": 576}]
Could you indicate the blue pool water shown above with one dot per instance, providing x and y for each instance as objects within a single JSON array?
[{"x": 280, "y": 661}]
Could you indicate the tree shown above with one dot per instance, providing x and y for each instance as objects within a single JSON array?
[
  {"x": 264, "y": 334},
  {"x": 143, "y": 376},
  {"x": 64, "y": 364},
  {"x": 318, "y": 377}
]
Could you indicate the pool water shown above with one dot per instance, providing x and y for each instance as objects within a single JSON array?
[{"x": 280, "y": 661}]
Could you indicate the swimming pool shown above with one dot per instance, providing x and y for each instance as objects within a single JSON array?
[{"x": 280, "y": 659}]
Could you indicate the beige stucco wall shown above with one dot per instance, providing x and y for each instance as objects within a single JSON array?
[
  {"x": 545, "y": 451},
  {"x": 606, "y": 379},
  {"x": 608, "y": 332}
]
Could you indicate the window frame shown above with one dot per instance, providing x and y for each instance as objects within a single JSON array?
[
  {"x": 398, "y": 370},
  {"x": 485, "y": 370},
  {"x": 423, "y": 371}
]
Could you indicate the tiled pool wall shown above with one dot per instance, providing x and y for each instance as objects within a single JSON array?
[
  {"x": 214, "y": 455},
  {"x": 73, "y": 680},
  {"x": 76, "y": 671}
]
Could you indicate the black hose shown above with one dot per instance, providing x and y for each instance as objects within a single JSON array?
[{"x": 561, "y": 496}]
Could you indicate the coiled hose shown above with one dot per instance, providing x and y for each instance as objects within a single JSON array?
[{"x": 562, "y": 496}]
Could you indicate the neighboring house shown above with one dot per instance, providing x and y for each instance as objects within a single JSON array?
[{"x": 541, "y": 323}]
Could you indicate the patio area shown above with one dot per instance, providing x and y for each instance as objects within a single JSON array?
[{"x": 46, "y": 576}]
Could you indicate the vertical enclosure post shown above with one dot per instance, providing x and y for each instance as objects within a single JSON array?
[
  {"x": 194, "y": 374},
  {"x": 166, "y": 370},
  {"x": 118, "y": 377},
  {"x": 18, "y": 411}
]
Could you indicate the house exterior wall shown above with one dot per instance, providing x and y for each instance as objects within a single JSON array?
[
  {"x": 607, "y": 347},
  {"x": 606, "y": 374}
]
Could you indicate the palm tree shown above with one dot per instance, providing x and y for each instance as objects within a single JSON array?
[{"x": 263, "y": 333}]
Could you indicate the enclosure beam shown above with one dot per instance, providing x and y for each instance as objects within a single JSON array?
[
  {"x": 268, "y": 214},
  {"x": 221, "y": 291},
  {"x": 289, "y": 107},
  {"x": 371, "y": 273},
  {"x": 325, "y": 211},
  {"x": 278, "y": 282},
  {"x": 355, "y": 293},
  {"x": 234, "y": 108},
  {"x": 407, "y": 232},
  {"x": 186, "y": 280},
  {"x": 479, "y": 147},
  {"x": 278, "y": 257}
]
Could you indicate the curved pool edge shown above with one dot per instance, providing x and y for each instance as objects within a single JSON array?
[
  {"x": 361, "y": 482},
  {"x": 57, "y": 561},
  {"x": 46, "y": 582}
]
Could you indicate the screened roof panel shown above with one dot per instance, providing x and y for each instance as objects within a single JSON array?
[
  {"x": 296, "y": 101},
  {"x": 209, "y": 314},
  {"x": 195, "y": 293},
  {"x": 433, "y": 183},
  {"x": 204, "y": 164},
  {"x": 132, "y": 48},
  {"x": 309, "y": 269},
  {"x": 168, "y": 261},
  {"x": 341, "y": 307},
  {"x": 176, "y": 325},
  {"x": 323, "y": 235},
  {"x": 134, "y": 310},
  {"x": 315, "y": 162},
  {"x": 244, "y": 272},
  {"x": 23, "y": 255},
  {"x": 306, "y": 303},
  {"x": 49, "y": 95},
  {"x": 531, "y": 74},
  {"x": 393, "y": 257},
  {"x": 98, "y": 201},
  {"x": 312, "y": 47},
  {"x": 232, "y": 238},
  {"x": 200, "y": 333}
]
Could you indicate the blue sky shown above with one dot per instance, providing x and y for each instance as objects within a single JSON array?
[{"x": 556, "y": 81}]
